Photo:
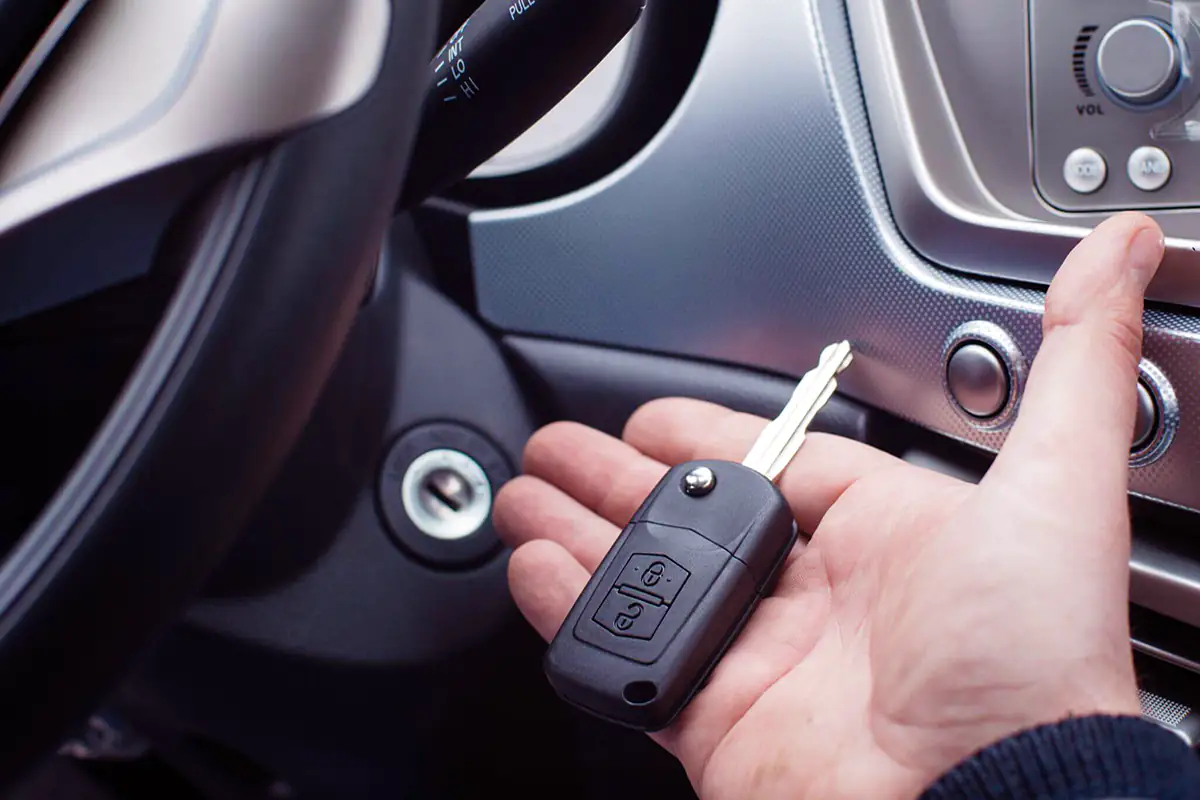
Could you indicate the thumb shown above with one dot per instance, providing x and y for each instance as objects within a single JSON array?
[{"x": 1070, "y": 444}]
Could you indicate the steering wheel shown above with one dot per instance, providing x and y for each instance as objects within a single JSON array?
[{"x": 248, "y": 155}]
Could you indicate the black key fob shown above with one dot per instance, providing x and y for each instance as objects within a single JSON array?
[{"x": 672, "y": 594}]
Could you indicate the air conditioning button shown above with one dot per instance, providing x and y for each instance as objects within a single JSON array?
[
  {"x": 1149, "y": 168},
  {"x": 1085, "y": 170}
]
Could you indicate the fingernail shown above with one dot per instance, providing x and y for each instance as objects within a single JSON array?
[{"x": 1145, "y": 254}]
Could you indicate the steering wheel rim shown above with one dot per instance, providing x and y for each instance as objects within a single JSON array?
[{"x": 281, "y": 255}]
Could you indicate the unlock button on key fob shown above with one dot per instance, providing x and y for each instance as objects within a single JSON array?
[{"x": 629, "y": 617}]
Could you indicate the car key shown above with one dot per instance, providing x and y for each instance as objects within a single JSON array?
[{"x": 685, "y": 574}]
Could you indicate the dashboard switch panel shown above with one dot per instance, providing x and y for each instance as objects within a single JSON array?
[{"x": 1115, "y": 80}]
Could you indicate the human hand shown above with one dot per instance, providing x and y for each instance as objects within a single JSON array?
[{"x": 926, "y": 618}]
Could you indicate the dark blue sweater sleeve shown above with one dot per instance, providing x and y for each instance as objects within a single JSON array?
[{"x": 1086, "y": 757}]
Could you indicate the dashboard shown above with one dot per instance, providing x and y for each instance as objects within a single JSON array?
[{"x": 898, "y": 173}]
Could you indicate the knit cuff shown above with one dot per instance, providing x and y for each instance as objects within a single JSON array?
[{"x": 1084, "y": 757}]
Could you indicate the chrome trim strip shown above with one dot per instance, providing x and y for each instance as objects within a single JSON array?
[
  {"x": 1167, "y": 405},
  {"x": 1165, "y": 655},
  {"x": 1166, "y": 582}
]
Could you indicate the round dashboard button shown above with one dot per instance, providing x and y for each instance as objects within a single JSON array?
[
  {"x": 1149, "y": 168},
  {"x": 1157, "y": 416},
  {"x": 1146, "y": 422},
  {"x": 1085, "y": 170},
  {"x": 978, "y": 380}
]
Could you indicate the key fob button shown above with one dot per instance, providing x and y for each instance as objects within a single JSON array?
[
  {"x": 652, "y": 575},
  {"x": 629, "y": 617}
]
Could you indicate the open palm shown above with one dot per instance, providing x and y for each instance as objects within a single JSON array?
[{"x": 925, "y": 618}]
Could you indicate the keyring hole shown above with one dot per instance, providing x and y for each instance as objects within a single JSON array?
[{"x": 638, "y": 693}]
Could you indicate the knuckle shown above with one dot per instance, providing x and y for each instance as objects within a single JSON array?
[
  {"x": 519, "y": 563},
  {"x": 1063, "y": 309},
  {"x": 1116, "y": 320},
  {"x": 646, "y": 417},
  {"x": 1125, "y": 333},
  {"x": 620, "y": 496},
  {"x": 511, "y": 495},
  {"x": 544, "y": 442}
]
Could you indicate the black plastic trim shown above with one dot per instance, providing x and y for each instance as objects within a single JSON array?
[
  {"x": 318, "y": 548},
  {"x": 602, "y": 387}
]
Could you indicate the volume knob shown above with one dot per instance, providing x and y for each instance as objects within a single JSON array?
[{"x": 1139, "y": 62}]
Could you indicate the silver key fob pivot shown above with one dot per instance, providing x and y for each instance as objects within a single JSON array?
[{"x": 672, "y": 594}]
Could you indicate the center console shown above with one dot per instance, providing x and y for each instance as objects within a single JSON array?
[{"x": 1115, "y": 103}]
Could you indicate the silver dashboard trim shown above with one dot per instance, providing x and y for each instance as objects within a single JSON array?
[
  {"x": 194, "y": 76},
  {"x": 976, "y": 209},
  {"x": 1167, "y": 405},
  {"x": 1164, "y": 655},
  {"x": 1165, "y": 581}
]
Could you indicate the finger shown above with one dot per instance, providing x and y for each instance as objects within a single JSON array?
[
  {"x": 545, "y": 580},
  {"x": 601, "y": 472},
  {"x": 528, "y": 509},
  {"x": 1071, "y": 441},
  {"x": 676, "y": 430}
]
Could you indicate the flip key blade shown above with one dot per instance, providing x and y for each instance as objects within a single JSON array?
[
  {"x": 781, "y": 439},
  {"x": 778, "y": 429}
]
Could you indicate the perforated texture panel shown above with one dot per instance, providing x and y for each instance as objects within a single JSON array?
[
  {"x": 755, "y": 230},
  {"x": 1161, "y": 710}
]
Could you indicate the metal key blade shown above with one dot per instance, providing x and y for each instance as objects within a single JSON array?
[
  {"x": 780, "y": 430},
  {"x": 775, "y": 436},
  {"x": 770, "y": 439},
  {"x": 783, "y": 436},
  {"x": 792, "y": 426}
]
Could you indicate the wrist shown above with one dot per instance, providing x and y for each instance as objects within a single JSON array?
[{"x": 931, "y": 732}]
